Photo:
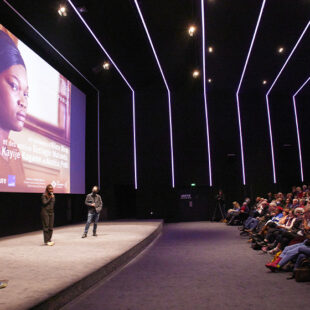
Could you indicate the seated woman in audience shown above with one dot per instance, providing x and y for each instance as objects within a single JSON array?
[
  {"x": 289, "y": 196},
  {"x": 241, "y": 215},
  {"x": 302, "y": 203},
  {"x": 258, "y": 207},
  {"x": 288, "y": 204},
  {"x": 234, "y": 210}
]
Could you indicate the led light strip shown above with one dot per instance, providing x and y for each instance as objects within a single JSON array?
[
  {"x": 297, "y": 128},
  {"x": 267, "y": 101},
  {"x": 168, "y": 91},
  {"x": 98, "y": 139},
  {"x": 239, "y": 87},
  {"x": 125, "y": 80},
  {"x": 71, "y": 65},
  {"x": 205, "y": 88}
]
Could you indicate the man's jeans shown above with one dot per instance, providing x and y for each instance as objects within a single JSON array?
[
  {"x": 303, "y": 252},
  {"x": 289, "y": 253},
  {"x": 92, "y": 217},
  {"x": 250, "y": 223}
]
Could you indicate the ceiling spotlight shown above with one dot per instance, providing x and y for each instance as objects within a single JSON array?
[
  {"x": 106, "y": 65},
  {"x": 280, "y": 50},
  {"x": 210, "y": 49},
  {"x": 191, "y": 30},
  {"x": 196, "y": 74},
  {"x": 264, "y": 82},
  {"x": 82, "y": 9},
  {"x": 62, "y": 11},
  {"x": 209, "y": 80}
]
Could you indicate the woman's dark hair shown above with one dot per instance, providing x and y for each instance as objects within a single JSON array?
[
  {"x": 46, "y": 189},
  {"x": 9, "y": 53}
]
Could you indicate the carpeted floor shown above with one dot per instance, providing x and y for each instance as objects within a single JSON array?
[{"x": 197, "y": 266}]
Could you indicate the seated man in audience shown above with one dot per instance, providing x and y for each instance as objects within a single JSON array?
[
  {"x": 295, "y": 203},
  {"x": 303, "y": 253},
  {"x": 277, "y": 215},
  {"x": 290, "y": 252}
]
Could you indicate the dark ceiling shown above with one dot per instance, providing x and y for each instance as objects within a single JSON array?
[{"x": 229, "y": 28}]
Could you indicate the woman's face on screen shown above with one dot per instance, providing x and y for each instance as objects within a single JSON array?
[{"x": 13, "y": 98}]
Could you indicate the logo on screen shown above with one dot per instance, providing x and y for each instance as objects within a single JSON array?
[{"x": 11, "y": 180}]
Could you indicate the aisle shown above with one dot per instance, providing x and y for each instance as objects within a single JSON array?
[{"x": 197, "y": 266}]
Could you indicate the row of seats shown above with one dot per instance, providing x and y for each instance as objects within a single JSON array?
[{"x": 278, "y": 225}]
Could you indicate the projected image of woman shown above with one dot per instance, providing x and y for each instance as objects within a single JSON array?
[{"x": 13, "y": 111}]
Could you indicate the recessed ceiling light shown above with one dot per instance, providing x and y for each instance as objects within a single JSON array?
[
  {"x": 106, "y": 65},
  {"x": 210, "y": 49},
  {"x": 82, "y": 9},
  {"x": 281, "y": 50},
  {"x": 264, "y": 82},
  {"x": 191, "y": 30},
  {"x": 62, "y": 11},
  {"x": 209, "y": 80},
  {"x": 196, "y": 74}
]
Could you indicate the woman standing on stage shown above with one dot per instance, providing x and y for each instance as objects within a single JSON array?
[{"x": 47, "y": 214}]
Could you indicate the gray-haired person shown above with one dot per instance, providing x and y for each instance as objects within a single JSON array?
[{"x": 94, "y": 203}]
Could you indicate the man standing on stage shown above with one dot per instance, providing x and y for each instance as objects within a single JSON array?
[{"x": 94, "y": 203}]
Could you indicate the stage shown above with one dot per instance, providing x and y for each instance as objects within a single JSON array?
[{"x": 45, "y": 277}]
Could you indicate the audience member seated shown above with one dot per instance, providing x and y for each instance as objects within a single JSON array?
[
  {"x": 233, "y": 211},
  {"x": 240, "y": 216},
  {"x": 283, "y": 232},
  {"x": 251, "y": 222}
]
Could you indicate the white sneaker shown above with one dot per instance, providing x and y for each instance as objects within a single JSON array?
[{"x": 51, "y": 243}]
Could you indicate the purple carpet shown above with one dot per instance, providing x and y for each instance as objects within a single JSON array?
[{"x": 196, "y": 266}]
